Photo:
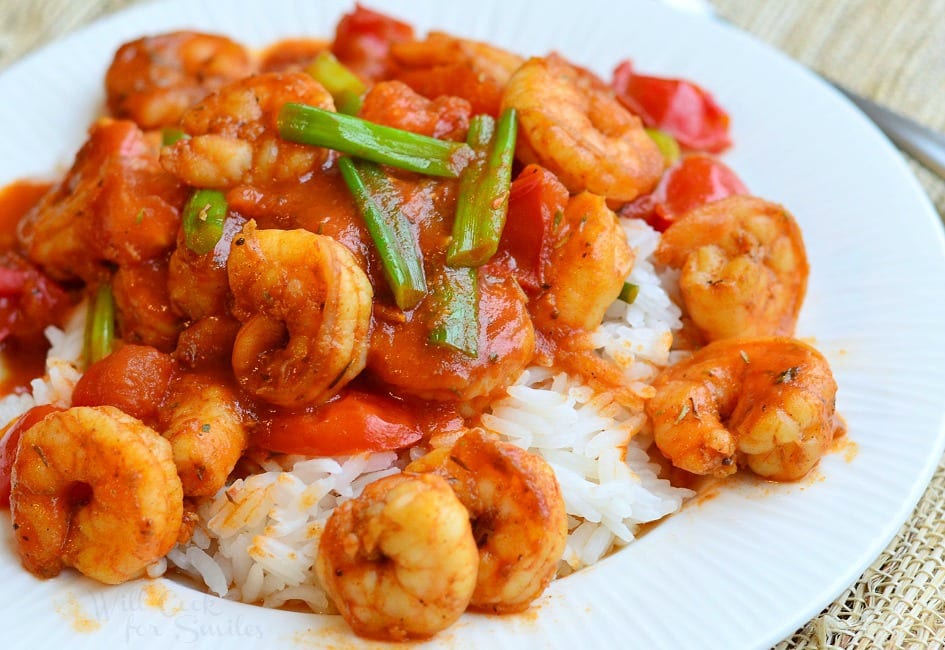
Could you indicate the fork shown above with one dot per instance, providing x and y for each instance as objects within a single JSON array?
[{"x": 923, "y": 144}]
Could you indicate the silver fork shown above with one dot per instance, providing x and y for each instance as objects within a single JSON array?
[{"x": 923, "y": 144}]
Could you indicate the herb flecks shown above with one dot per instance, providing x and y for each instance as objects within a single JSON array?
[
  {"x": 788, "y": 375},
  {"x": 683, "y": 412}
]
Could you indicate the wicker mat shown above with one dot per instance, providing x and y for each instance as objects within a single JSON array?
[{"x": 890, "y": 50}]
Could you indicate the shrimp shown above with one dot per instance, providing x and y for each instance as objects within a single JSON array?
[
  {"x": 399, "y": 561},
  {"x": 236, "y": 138},
  {"x": 587, "y": 270},
  {"x": 145, "y": 315},
  {"x": 743, "y": 267},
  {"x": 305, "y": 305},
  {"x": 153, "y": 80},
  {"x": 402, "y": 355},
  {"x": 443, "y": 65},
  {"x": 206, "y": 432},
  {"x": 97, "y": 490},
  {"x": 767, "y": 403},
  {"x": 197, "y": 284},
  {"x": 115, "y": 206},
  {"x": 571, "y": 124},
  {"x": 518, "y": 515}
]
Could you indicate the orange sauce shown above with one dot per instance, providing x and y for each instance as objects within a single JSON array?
[
  {"x": 19, "y": 366},
  {"x": 15, "y": 200}
]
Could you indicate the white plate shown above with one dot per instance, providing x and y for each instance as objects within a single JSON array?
[{"x": 742, "y": 570}]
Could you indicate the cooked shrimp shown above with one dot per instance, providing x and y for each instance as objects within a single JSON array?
[
  {"x": 395, "y": 104},
  {"x": 206, "y": 431},
  {"x": 305, "y": 305},
  {"x": 145, "y": 315},
  {"x": 197, "y": 284},
  {"x": 235, "y": 136},
  {"x": 586, "y": 272},
  {"x": 743, "y": 267},
  {"x": 97, "y": 490},
  {"x": 767, "y": 403},
  {"x": 153, "y": 80},
  {"x": 571, "y": 124},
  {"x": 443, "y": 65},
  {"x": 399, "y": 561},
  {"x": 115, "y": 206},
  {"x": 518, "y": 515},
  {"x": 402, "y": 356}
]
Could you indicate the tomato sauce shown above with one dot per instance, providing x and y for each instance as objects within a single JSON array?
[
  {"x": 16, "y": 199},
  {"x": 20, "y": 363}
]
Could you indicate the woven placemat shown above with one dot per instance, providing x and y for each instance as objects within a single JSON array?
[{"x": 890, "y": 50}]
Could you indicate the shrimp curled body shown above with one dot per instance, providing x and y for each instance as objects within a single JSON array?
[
  {"x": 743, "y": 267},
  {"x": 586, "y": 272},
  {"x": 206, "y": 432},
  {"x": 571, "y": 124},
  {"x": 94, "y": 489},
  {"x": 518, "y": 514},
  {"x": 400, "y": 560},
  {"x": 153, "y": 80},
  {"x": 767, "y": 403},
  {"x": 236, "y": 138},
  {"x": 305, "y": 305}
]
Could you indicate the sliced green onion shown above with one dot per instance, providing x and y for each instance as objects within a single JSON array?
[
  {"x": 203, "y": 219},
  {"x": 629, "y": 292},
  {"x": 171, "y": 135},
  {"x": 100, "y": 325},
  {"x": 379, "y": 204},
  {"x": 381, "y": 144},
  {"x": 456, "y": 305},
  {"x": 484, "y": 194},
  {"x": 345, "y": 87},
  {"x": 667, "y": 145}
]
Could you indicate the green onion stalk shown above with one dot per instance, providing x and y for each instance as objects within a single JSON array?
[
  {"x": 456, "y": 310},
  {"x": 202, "y": 220},
  {"x": 345, "y": 87},
  {"x": 484, "y": 191},
  {"x": 99, "y": 339},
  {"x": 391, "y": 231},
  {"x": 385, "y": 145}
]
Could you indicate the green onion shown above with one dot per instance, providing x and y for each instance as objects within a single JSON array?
[
  {"x": 379, "y": 204},
  {"x": 484, "y": 193},
  {"x": 203, "y": 219},
  {"x": 100, "y": 325},
  {"x": 170, "y": 135},
  {"x": 345, "y": 86},
  {"x": 456, "y": 307},
  {"x": 381, "y": 144},
  {"x": 667, "y": 145},
  {"x": 628, "y": 293}
]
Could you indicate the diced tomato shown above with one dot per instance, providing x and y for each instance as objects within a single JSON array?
[
  {"x": 134, "y": 379},
  {"x": 536, "y": 201},
  {"x": 363, "y": 39},
  {"x": 352, "y": 423},
  {"x": 29, "y": 300},
  {"x": 12, "y": 281},
  {"x": 679, "y": 107},
  {"x": 9, "y": 442},
  {"x": 693, "y": 181}
]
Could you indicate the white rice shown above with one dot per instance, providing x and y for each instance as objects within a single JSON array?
[{"x": 256, "y": 540}]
